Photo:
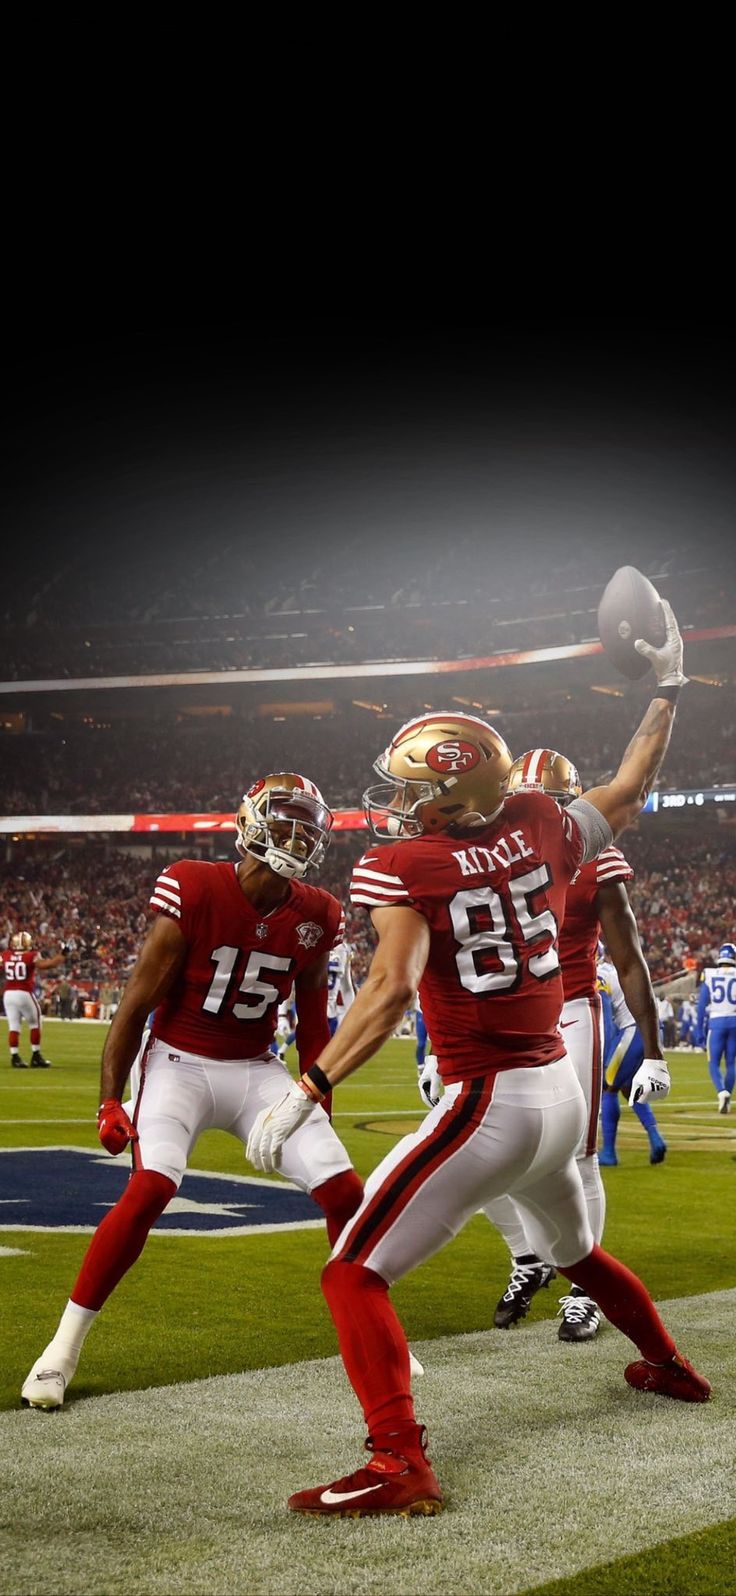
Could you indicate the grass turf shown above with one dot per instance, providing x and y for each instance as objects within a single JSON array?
[{"x": 194, "y": 1308}]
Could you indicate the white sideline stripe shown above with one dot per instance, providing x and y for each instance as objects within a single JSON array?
[
  {"x": 259, "y": 1435},
  {"x": 160, "y": 903}
]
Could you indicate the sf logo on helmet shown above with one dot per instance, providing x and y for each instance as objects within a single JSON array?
[{"x": 452, "y": 756}]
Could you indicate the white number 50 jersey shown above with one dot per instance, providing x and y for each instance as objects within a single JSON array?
[{"x": 721, "y": 984}]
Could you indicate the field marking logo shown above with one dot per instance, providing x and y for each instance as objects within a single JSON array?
[{"x": 70, "y": 1189}]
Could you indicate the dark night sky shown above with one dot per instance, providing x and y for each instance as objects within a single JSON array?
[{"x": 336, "y": 430}]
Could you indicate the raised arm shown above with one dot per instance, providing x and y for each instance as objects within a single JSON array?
[{"x": 623, "y": 798}]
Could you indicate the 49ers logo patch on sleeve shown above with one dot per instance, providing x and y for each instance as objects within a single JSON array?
[
  {"x": 452, "y": 755},
  {"x": 309, "y": 933}
]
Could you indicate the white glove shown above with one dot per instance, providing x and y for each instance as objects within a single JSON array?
[
  {"x": 274, "y": 1125},
  {"x": 429, "y": 1082},
  {"x": 652, "y": 1079},
  {"x": 666, "y": 662}
]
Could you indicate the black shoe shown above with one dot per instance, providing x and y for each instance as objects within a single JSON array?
[
  {"x": 38, "y": 1062},
  {"x": 581, "y": 1317},
  {"x": 526, "y": 1280},
  {"x": 17, "y": 1063}
]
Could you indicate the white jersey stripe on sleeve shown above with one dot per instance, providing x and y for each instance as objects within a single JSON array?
[
  {"x": 615, "y": 873},
  {"x": 165, "y": 892},
  {"x": 377, "y": 875},
  {"x": 160, "y": 903},
  {"x": 378, "y": 891},
  {"x": 170, "y": 881},
  {"x": 374, "y": 903}
]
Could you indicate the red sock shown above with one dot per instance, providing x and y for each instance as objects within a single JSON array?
[
  {"x": 121, "y": 1237},
  {"x": 625, "y": 1301},
  {"x": 35, "y": 1036},
  {"x": 372, "y": 1343},
  {"x": 13, "y": 1037},
  {"x": 339, "y": 1198}
]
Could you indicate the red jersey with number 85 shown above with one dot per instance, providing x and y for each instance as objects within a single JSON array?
[
  {"x": 240, "y": 964},
  {"x": 492, "y": 988}
]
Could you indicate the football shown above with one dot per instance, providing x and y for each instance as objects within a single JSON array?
[{"x": 629, "y": 608}]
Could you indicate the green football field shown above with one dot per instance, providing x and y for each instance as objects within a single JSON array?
[{"x": 202, "y": 1308}]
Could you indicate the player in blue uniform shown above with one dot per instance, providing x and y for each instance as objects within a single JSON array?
[
  {"x": 623, "y": 1052},
  {"x": 717, "y": 1009},
  {"x": 687, "y": 1020}
]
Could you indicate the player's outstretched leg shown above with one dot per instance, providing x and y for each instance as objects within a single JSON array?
[
  {"x": 399, "y": 1478},
  {"x": 117, "y": 1242},
  {"x": 626, "y": 1302}
]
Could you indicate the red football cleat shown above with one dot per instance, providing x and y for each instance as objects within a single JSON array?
[
  {"x": 677, "y": 1379},
  {"x": 388, "y": 1484}
]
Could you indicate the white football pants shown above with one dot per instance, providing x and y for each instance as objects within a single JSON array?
[
  {"x": 178, "y": 1095},
  {"x": 20, "y": 1006},
  {"x": 581, "y": 1023},
  {"x": 515, "y": 1132}
]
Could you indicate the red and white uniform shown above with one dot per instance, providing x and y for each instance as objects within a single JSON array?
[
  {"x": 18, "y": 999},
  {"x": 207, "y": 1063},
  {"x": 582, "y": 1018},
  {"x": 491, "y": 992},
  {"x": 512, "y": 1112},
  {"x": 581, "y": 1024}
]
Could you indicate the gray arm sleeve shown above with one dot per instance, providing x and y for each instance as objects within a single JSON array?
[{"x": 594, "y": 827}]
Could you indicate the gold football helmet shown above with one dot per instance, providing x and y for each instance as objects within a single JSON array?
[
  {"x": 441, "y": 773},
  {"x": 22, "y": 942},
  {"x": 544, "y": 770},
  {"x": 284, "y": 821}
]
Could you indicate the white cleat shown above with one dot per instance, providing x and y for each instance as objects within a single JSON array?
[
  {"x": 724, "y": 1102},
  {"x": 415, "y": 1367},
  {"x": 44, "y": 1388}
]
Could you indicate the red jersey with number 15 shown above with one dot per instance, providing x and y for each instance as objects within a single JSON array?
[
  {"x": 19, "y": 970},
  {"x": 240, "y": 964},
  {"x": 492, "y": 988}
]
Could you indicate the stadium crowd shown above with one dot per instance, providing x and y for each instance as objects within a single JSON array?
[
  {"x": 157, "y": 764},
  {"x": 223, "y": 615},
  {"x": 93, "y": 898}
]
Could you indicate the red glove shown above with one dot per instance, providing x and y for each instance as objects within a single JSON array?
[{"x": 114, "y": 1128}]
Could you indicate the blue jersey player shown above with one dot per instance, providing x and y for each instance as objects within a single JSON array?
[
  {"x": 717, "y": 1011},
  {"x": 623, "y": 1052}
]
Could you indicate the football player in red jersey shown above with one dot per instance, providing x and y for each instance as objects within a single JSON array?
[
  {"x": 228, "y": 941},
  {"x": 467, "y": 906},
  {"x": 597, "y": 903},
  {"x": 19, "y": 965}
]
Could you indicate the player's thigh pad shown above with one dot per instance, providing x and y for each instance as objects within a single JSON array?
[
  {"x": 175, "y": 1105},
  {"x": 314, "y": 1153}
]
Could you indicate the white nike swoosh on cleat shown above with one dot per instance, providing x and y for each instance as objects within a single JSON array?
[{"x": 330, "y": 1497}]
